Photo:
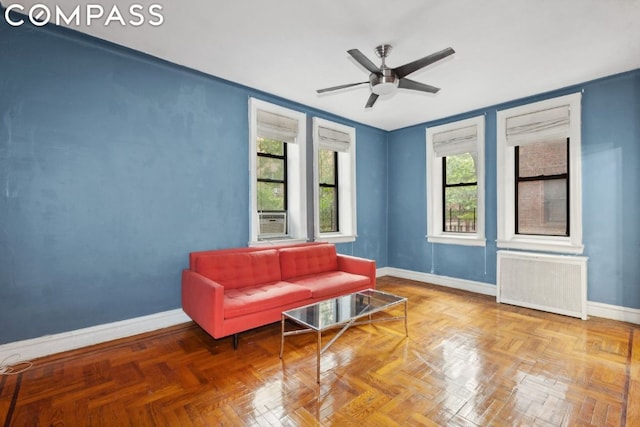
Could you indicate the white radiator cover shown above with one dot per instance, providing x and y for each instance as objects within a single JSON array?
[{"x": 554, "y": 283}]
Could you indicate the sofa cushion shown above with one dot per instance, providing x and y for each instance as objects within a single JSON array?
[
  {"x": 308, "y": 260},
  {"x": 240, "y": 269},
  {"x": 333, "y": 283},
  {"x": 252, "y": 299}
]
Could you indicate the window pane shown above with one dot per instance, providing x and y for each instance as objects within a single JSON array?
[
  {"x": 460, "y": 169},
  {"x": 270, "y": 168},
  {"x": 270, "y": 146},
  {"x": 327, "y": 166},
  {"x": 271, "y": 196},
  {"x": 549, "y": 158},
  {"x": 328, "y": 209},
  {"x": 460, "y": 208},
  {"x": 542, "y": 207}
]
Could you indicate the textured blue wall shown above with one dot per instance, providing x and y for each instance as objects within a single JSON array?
[
  {"x": 113, "y": 166},
  {"x": 407, "y": 200},
  {"x": 611, "y": 201},
  {"x": 611, "y": 188}
]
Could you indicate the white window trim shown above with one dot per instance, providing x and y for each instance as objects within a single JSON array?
[
  {"x": 296, "y": 179},
  {"x": 346, "y": 187},
  {"x": 506, "y": 181},
  {"x": 435, "y": 233}
]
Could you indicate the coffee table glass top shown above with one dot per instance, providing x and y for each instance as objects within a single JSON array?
[{"x": 336, "y": 311}]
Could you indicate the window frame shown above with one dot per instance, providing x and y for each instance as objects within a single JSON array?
[
  {"x": 296, "y": 176},
  {"x": 506, "y": 181},
  {"x": 435, "y": 187},
  {"x": 347, "y": 210}
]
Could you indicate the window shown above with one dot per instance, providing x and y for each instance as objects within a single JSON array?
[
  {"x": 455, "y": 182},
  {"x": 272, "y": 175},
  {"x": 334, "y": 147},
  {"x": 542, "y": 186},
  {"x": 460, "y": 193},
  {"x": 328, "y": 182},
  {"x": 538, "y": 172},
  {"x": 277, "y": 169}
]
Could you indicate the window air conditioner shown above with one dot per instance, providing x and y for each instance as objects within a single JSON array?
[{"x": 272, "y": 224}]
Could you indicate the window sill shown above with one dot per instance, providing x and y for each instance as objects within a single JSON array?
[
  {"x": 335, "y": 238},
  {"x": 458, "y": 239},
  {"x": 280, "y": 241},
  {"x": 564, "y": 246}
]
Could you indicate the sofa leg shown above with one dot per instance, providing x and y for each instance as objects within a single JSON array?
[{"x": 235, "y": 341}]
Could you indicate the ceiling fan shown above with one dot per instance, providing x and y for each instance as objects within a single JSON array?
[{"x": 384, "y": 80}]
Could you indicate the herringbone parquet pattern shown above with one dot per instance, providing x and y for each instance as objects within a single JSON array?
[{"x": 468, "y": 361}]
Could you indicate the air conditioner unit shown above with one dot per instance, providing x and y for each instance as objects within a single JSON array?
[{"x": 272, "y": 224}]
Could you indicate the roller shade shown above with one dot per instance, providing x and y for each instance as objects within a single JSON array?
[
  {"x": 276, "y": 126},
  {"x": 539, "y": 126},
  {"x": 334, "y": 140},
  {"x": 457, "y": 141}
]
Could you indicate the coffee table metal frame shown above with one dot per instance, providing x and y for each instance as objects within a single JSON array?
[{"x": 371, "y": 301}]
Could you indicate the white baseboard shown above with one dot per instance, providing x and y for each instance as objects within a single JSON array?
[
  {"x": 614, "y": 312},
  {"x": 450, "y": 282},
  {"x": 382, "y": 271},
  {"x": 43, "y": 346},
  {"x": 597, "y": 309}
]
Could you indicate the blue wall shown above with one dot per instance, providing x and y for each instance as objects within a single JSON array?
[
  {"x": 611, "y": 189},
  {"x": 113, "y": 167}
]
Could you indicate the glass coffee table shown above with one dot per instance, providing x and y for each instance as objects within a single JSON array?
[{"x": 344, "y": 311}]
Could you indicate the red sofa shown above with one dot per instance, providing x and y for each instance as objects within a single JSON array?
[{"x": 228, "y": 291}]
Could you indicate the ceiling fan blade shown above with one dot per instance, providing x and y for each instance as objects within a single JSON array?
[
  {"x": 329, "y": 89},
  {"x": 414, "y": 85},
  {"x": 363, "y": 60},
  {"x": 371, "y": 101},
  {"x": 406, "y": 69}
]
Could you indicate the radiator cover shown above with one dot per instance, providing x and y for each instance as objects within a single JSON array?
[{"x": 554, "y": 283}]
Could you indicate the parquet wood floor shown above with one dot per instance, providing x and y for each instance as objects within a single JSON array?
[{"x": 467, "y": 362}]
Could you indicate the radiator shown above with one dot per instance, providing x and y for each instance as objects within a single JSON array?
[{"x": 553, "y": 283}]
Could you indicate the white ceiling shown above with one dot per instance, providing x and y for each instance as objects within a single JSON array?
[{"x": 505, "y": 49}]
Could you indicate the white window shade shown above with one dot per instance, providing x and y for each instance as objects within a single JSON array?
[
  {"x": 538, "y": 126},
  {"x": 334, "y": 140},
  {"x": 275, "y": 126},
  {"x": 456, "y": 141}
]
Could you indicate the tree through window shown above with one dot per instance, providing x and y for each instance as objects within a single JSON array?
[
  {"x": 460, "y": 193},
  {"x": 272, "y": 175},
  {"x": 328, "y": 171}
]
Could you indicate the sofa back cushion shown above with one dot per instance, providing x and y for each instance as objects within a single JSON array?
[
  {"x": 304, "y": 261},
  {"x": 240, "y": 269}
]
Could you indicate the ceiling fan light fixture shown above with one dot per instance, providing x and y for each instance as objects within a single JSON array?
[
  {"x": 384, "y": 88},
  {"x": 385, "y": 83}
]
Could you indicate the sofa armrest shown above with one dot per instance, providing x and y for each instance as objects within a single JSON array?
[
  {"x": 203, "y": 301},
  {"x": 356, "y": 265}
]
